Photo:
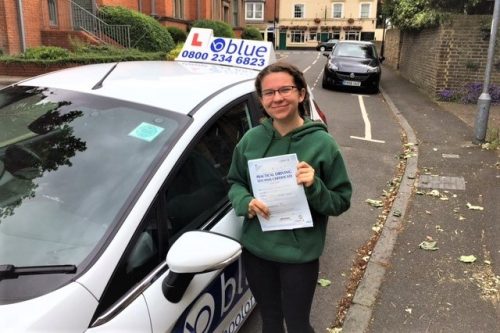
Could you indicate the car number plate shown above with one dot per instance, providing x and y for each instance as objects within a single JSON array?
[{"x": 351, "y": 83}]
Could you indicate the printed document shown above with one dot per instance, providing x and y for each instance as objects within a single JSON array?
[{"x": 274, "y": 183}]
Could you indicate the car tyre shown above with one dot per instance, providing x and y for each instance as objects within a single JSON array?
[
  {"x": 322, "y": 49},
  {"x": 324, "y": 83},
  {"x": 375, "y": 89}
]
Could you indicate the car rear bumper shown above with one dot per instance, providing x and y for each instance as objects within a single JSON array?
[{"x": 348, "y": 79}]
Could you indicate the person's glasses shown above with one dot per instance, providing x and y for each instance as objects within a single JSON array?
[{"x": 283, "y": 91}]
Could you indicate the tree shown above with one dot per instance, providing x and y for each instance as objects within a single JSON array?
[
  {"x": 251, "y": 33},
  {"x": 420, "y": 14}
]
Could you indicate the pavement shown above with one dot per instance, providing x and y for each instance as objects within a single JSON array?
[{"x": 448, "y": 195}]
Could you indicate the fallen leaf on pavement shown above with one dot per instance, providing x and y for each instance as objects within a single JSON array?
[
  {"x": 473, "y": 207},
  {"x": 434, "y": 193},
  {"x": 408, "y": 310},
  {"x": 334, "y": 330},
  {"x": 428, "y": 246},
  {"x": 377, "y": 227},
  {"x": 467, "y": 259},
  {"x": 374, "y": 203},
  {"x": 324, "y": 282}
]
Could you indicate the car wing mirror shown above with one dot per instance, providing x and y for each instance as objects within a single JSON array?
[
  {"x": 381, "y": 59},
  {"x": 193, "y": 253},
  {"x": 326, "y": 54}
]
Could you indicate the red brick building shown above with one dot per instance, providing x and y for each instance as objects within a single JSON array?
[{"x": 31, "y": 23}]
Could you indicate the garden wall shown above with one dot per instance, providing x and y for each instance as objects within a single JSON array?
[{"x": 446, "y": 57}]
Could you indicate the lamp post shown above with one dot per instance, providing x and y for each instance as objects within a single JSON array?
[
  {"x": 383, "y": 37},
  {"x": 274, "y": 25},
  {"x": 484, "y": 100}
]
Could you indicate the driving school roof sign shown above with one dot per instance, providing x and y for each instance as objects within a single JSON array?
[{"x": 202, "y": 46}]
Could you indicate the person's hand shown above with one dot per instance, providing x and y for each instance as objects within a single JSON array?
[
  {"x": 305, "y": 174},
  {"x": 257, "y": 207}
]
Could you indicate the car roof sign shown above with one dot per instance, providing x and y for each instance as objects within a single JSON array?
[{"x": 202, "y": 46}]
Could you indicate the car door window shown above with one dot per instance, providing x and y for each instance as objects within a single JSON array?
[{"x": 192, "y": 196}]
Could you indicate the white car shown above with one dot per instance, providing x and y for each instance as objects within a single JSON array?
[{"x": 102, "y": 168}]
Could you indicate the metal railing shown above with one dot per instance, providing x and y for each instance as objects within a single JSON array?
[
  {"x": 71, "y": 16},
  {"x": 84, "y": 20}
]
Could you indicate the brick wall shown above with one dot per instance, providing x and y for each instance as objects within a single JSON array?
[
  {"x": 10, "y": 41},
  {"x": 445, "y": 57},
  {"x": 63, "y": 38},
  {"x": 3, "y": 28},
  {"x": 132, "y": 4}
]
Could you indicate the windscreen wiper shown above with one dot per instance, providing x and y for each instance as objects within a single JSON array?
[{"x": 12, "y": 272}]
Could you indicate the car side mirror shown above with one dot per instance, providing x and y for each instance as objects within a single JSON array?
[
  {"x": 193, "y": 253},
  {"x": 381, "y": 59},
  {"x": 326, "y": 54}
]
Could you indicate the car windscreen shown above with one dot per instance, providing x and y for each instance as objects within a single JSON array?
[
  {"x": 364, "y": 51},
  {"x": 69, "y": 163}
]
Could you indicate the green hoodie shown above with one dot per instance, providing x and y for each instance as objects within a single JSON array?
[{"x": 330, "y": 194}]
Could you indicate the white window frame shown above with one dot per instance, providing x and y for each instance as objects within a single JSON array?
[
  {"x": 300, "y": 33},
  {"x": 355, "y": 33},
  {"x": 303, "y": 10},
  {"x": 341, "y": 10},
  {"x": 361, "y": 5},
  {"x": 254, "y": 11}
]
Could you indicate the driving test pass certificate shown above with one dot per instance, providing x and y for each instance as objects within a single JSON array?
[{"x": 275, "y": 184}]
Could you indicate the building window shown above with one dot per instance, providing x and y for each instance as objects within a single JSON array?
[
  {"x": 297, "y": 36},
  {"x": 254, "y": 11},
  {"x": 352, "y": 35},
  {"x": 365, "y": 10},
  {"x": 179, "y": 8},
  {"x": 298, "y": 11},
  {"x": 52, "y": 12},
  {"x": 335, "y": 34},
  {"x": 236, "y": 13},
  {"x": 338, "y": 9}
]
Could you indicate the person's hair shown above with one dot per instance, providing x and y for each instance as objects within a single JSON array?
[{"x": 298, "y": 80}]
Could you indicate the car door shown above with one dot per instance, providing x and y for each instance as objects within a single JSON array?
[{"x": 193, "y": 197}]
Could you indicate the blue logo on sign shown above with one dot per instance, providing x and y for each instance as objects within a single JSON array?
[
  {"x": 238, "y": 47},
  {"x": 218, "y": 45}
]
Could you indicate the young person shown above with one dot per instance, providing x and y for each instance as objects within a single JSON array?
[{"x": 282, "y": 266}]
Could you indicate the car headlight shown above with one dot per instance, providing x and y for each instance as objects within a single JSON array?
[
  {"x": 333, "y": 66},
  {"x": 373, "y": 69}
]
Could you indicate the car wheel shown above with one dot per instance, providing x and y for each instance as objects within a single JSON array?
[
  {"x": 322, "y": 49},
  {"x": 375, "y": 89},
  {"x": 324, "y": 83}
]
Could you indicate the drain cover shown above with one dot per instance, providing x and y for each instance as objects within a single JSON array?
[{"x": 441, "y": 182}]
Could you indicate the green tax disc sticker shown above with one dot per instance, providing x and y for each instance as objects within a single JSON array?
[{"x": 146, "y": 132}]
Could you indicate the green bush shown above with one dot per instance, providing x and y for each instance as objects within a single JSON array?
[
  {"x": 178, "y": 35},
  {"x": 221, "y": 29},
  {"x": 46, "y": 53},
  {"x": 175, "y": 52},
  {"x": 146, "y": 33},
  {"x": 89, "y": 54},
  {"x": 251, "y": 33}
]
